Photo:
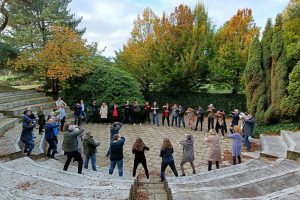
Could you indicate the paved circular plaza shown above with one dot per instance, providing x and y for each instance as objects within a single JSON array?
[{"x": 153, "y": 138}]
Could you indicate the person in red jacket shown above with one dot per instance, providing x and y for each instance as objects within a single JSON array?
[
  {"x": 147, "y": 109},
  {"x": 166, "y": 115}
]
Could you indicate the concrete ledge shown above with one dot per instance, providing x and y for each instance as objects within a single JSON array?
[
  {"x": 6, "y": 124},
  {"x": 293, "y": 155}
]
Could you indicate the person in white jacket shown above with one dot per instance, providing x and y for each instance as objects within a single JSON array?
[{"x": 103, "y": 113}]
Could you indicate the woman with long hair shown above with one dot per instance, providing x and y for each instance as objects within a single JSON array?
[
  {"x": 138, "y": 149},
  {"x": 166, "y": 153}
]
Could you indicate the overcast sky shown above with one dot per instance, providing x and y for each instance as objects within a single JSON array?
[{"x": 109, "y": 22}]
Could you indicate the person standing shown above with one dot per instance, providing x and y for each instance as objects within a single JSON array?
[
  {"x": 166, "y": 154},
  {"x": 137, "y": 113},
  {"x": 154, "y": 109},
  {"x": 214, "y": 149},
  {"x": 90, "y": 150},
  {"x": 50, "y": 137},
  {"x": 114, "y": 130},
  {"x": 248, "y": 128},
  {"x": 220, "y": 115},
  {"x": 27, "y": 136},
  {"x": 83, "y": 111},
  {"x": 181, "y": 116},
  {"x": 236, "y": 144},
  {"x": 127, "y": 113},
  {"x": 103, "y": 113},
  {"x": 115, "y": 113},
  {"x": 175, "y": 115},
  {"x": 62, "y": 116},
  {"x": 190, "y": 115},
  {"x": 95, "y": 112},
  {"x": 41, "y": 119},
  {"x": 188, "y": 152},
  {"x": 235, "y": 115},
  {"x": 71, "y": 147},
  {"x": 116, "y": 154},
  {"x": 200, "y": 118},
  {"x": 165, "y": 114},
  {"x": 147, "y": 110},
  {"x": 210, "y": 116},
  {"x": 59, "y": 102},
  {"x": 77, "y": 114},
  {"x": 138, "y": 149}
]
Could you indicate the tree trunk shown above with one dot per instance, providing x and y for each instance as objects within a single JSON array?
[
  {"x": 235, "y": 86},
  {"x": 4, "y": 12}
]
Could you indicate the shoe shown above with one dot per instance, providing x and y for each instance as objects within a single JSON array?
[
  {"x": 182, "y": 174},
  {"x": 194, "y": 172}
]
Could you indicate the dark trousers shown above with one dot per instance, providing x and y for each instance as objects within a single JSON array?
[
  {"x": 211, "y": 123},
  {"x": 115, "y": 119},
  {"x": 41, "y": 127},
  {"x": 174, "y": 118},
  {"x": 163, "y": 120},
  {"x": 234, "y": 159},
  {"x": 62, "y": 123},
  {"x": 126, "y": 118},
  {"x": 52, "y": 147},
  {"x": 210, "y": 165},
  {"x": 77, "y": 120},
  {"x": 77, "y": 157},
  {"x": 95, "y": 117},
  {"x": 137, "y": 118},
  {"x": 163, "y": 168},
  {"x": 218, "y": 127},
  {"x": 201, "y": 125},
  {"x": 104, "y": 120},
  {"x": 147, "y": 116},
  {"x": 135, "y": 165}
]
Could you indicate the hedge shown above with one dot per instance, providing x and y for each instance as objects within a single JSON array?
[{"x": 275, "y": 129}]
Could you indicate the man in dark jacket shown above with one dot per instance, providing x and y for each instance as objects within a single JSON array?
[
  {"x": 116, "y": 154},
  {"x": 89, "y": 150},
  {"x": 235, "y": 119},
  {"x": 200, "y": 117},
  {"x": 50, "y": 137},
  {"x": 248, "y": 128},
  {"x": 114, "y": 130},
  {"x": 77, "y": 114},
  {"x": 71, "y": 147},
  {"x": 27, "y": 133}
]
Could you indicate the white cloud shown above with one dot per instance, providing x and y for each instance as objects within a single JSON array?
[{"x": 109, "y": 22}]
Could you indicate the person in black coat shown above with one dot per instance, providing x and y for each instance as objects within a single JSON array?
[
  {"x": 127, "y": 113},
  {"x": 235, "y": 119},
  {"x": 139, "y": 150},
  {"x": 95, "y": 112},
  {"x": 27, "y": 133},
  {"x": 116, "y": 154},
  {"x": 200, "y": 117},
  {"x": 77, "y": 114},
  {"x": 51, "y": 138}
]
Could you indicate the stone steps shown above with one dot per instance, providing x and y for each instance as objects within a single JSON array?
[
  {"x": 15, "y": 93},
  {"x": 285, "y": 176},
  {"x": 246, "y": 176},
  {"x": 1, "y": 116},
  {"x": 154, "y": 190},
  {"x": 223, "y": 172},
  {"x": 20, "y": 97},
  {"x": 273, "y": 146},
  {"x": 6, "y": 124},
  {"x": 35, "y": 181},
  {"x": 25, "y": 102},
  {"x": 18, "y": 111},
  {"x": 292, "y": 140}
]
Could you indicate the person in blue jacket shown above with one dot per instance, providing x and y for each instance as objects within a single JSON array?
[
  {"x": 116, "y": 154},
  {"x": 166, "y": 154}
]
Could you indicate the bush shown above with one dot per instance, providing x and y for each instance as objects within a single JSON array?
[
  {"x": 275, "y": 129},
  {"x": 228, "y": 102},
  {"x": 105, "y": 84}
]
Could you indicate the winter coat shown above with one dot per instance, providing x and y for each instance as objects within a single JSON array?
[
  {"x": 175, "y": 112},
  {"x": 188, "y": 150},
  {"x": 89, "y": 145},
  {"x": 166, "y": 154},
  {"x": 103, "y": 112},
  {"x": 200, "y": 115},
  {"x": 236, "y": 144},
  {"x": 180, "y": 112},
  {"x": 248, "y": 127},
  {"x": 136, "y": 108},
  {"x": 140, "y": 155},
  {"x": 27, "y": 131},
  {"x": 77, "y": 110},
  {"x": 71, "y": 141},
  {"x": 116, "y": 149},
  {"x": 115, "y": 130},
  {"x": 49, "y": 130},
  {"x": 235, "y": 119},
  {"x": 214, "y": 147},
  {"x": 42, "y": 118}
]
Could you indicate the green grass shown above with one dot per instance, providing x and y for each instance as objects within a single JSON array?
[
  {"x": 275, "y": 129},
  {"x": 5, "y": 88}
]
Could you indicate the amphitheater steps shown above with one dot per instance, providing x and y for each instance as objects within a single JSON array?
[
  {"x": 6, "y": 124},
  {"x": 275, "y": 177},
  {"x": 19, "y": 97},
  {"x": 16, "y": 93},
  {"x": 35, "y": 181}
]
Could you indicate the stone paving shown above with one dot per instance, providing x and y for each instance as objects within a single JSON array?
[{"x": 153, "y": 138}]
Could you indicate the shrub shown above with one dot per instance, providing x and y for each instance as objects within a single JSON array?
[{"x": 275, "y": 129}]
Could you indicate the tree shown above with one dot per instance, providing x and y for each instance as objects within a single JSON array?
[
  {"x": 233, "y": 41},
  {"x": 4, "y": 13},
  {"x": 279, "y": 74},
  {"x": 267, "y": 57},
  {"x": 63, "y": 57},
  {"x": 255, "y": 81}
]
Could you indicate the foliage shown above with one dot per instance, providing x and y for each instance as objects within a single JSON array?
[
  {"x": 6, "y": 52},
  {"x": 105, "y": 84},
  {"x": 228, "y": 102},
  {"x": 233, "y": 42},
  {"x": 63, "y": 57},
  {"x": 275, "y": 129}
]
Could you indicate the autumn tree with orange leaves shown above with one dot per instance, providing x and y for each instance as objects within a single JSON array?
[{"x": 64, "y": 56}]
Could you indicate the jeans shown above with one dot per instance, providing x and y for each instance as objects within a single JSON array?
[
  {"x": 53, "y": 147},
  {"x": 28, "y": 147},
  {"x": 41, "y": 127},
  {"x": 174, "y": 118},
  {"x": 210, "y": 165},
  {"x": 155, "y": 118},
  {"x": 147, "y": 116},
  {"x": 211, "y": 123},
  {"x": 135, "y": 165},
  {"x": 77, "y": 119},
  {"x": 77, "y": 157},
  {"x": 126, "y": 118},
  {"x": 113, "y": 164},
  {"x": 93, "y": 160},
  {"x": 247, "y": 142},
  {"x": 163, "y": 168},
  {"x": 83, "y": 116},
  {"x": 179, "y": 121}
]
